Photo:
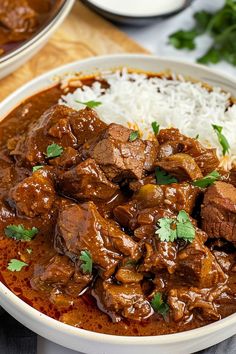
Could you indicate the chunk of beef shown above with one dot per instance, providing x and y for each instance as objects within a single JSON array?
[
  {"x": 87, "y": 181},
  {"x": 128, "y": 275},
  {"x": 183, "y": 301},
  {"x": 159, "y": 255},
  {"x": 126, "y": 300},
  {"x": 78, "y": 282},
  {"x": 153, "y": 202},
  {"x": 86, "y": 124},
  {"x": 175, "y": 143},
  {"x": 35, "y": 195},
  {"x": 57, "y": 273},
  {"x": 59, "y": 124},
  {"x": 232, "y": 176},
  {"x": 69, "y": 157},
  {"x": 219, "y": 211},
  {"x": 18, "y": 16},
  {"x": 197, "y": 265},
  {"x": 81, "y": 227},
  {"x": 118, "y": 157},
  {"x": 182, "y": 166},
  {"x": 175, "y": 196}
]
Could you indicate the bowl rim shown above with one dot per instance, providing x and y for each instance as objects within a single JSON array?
[
  {"x": 64, "y": 8},
  {"x": 37, "y": 316},
  {"x": 119, "y": 15}
]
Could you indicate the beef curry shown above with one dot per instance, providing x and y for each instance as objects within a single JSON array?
[
  {"x": 109, "y": 232},
  {"x": 21, "y": 19}
]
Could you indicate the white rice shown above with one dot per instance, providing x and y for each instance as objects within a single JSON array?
[{"x": 135, "y": 100}]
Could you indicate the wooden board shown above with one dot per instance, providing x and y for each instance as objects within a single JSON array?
[{"x": 83, "y": 34}]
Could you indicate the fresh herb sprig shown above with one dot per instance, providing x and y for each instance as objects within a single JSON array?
[
  {"x": 207, "y": 180},
  {"x": 90, "y": 104},
  {"x": 15, "y": 265},
  {"x": 221, "y": 26},
  {"x": 87, "y": 262},
  {"x": 222, "y": 139},
  {"x": 54, "y": 150},
  {"x": 159, "y": 305},
  {"x": 163, "y": 177},
  {"x": 134, "y": 135},
  {"x": 36, "y": 168},
  {"x": 170, "y": 229},
  {"x": 155, "y": 127},
  {"x": 19, "y": 232}
]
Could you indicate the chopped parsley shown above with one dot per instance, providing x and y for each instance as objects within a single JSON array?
[
  {"x": 54, "y": 150},
  {"x": 134, "y": 135},
  {"x": 159, "y": 305},
  {"x": 220, "y": 25},
  {"x": 222, "y": 139},
  {"x": 155, "y": 127},
  {"x": 18, "y": 232},
  {"x": 36, "y": 168},
  {"x": 163, "y": 177},
  {"x": 90, "y": 104},
  {"x": 87, "y": 264},
  {"x": 15, "y": 265},
  {"x": 207, "y": 180},
  {"x": 172, "y": 229}
]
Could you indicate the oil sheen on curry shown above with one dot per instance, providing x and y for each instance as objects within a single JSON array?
[
  {"x": 111, "y": 233},
  {"x": 20, "y": 19}
]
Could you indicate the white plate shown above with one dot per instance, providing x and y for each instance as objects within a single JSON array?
[{"x": 96, "y": 343}]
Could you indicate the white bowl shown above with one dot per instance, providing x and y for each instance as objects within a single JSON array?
[
  {"x": 96, "y": 343},
  {"x": 13, "y": 60}
]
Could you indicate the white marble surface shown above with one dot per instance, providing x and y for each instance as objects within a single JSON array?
[{"x": 154, "y": 38}]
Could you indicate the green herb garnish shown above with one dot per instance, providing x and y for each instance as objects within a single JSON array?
[
  {"x": 222, "y": 139},
  {"x": 87, "y": 264},
  {"x": 163, "y": 177},
  {"x": 18, "y": 232},
  {"x": 207, "y": 180},
  {"x": 36, "y": 168},
  {"x": 172, "y": 229},
  {"x": 15, "y": 265},
  {"x": 54, "y": 150},
  {"x": 134, "y": 135},
  {"x": 221, "y": 26},
  {"x": 90, "y": 104},
  {"x": 155, "y": 127},
  {"x": 159, "y": 305}
]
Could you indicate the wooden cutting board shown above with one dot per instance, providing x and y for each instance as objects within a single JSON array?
[{"x": 83, "y": 34}]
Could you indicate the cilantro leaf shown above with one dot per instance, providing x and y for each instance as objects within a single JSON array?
[
  {"x": 159, "y": 305},
  {"x": 222, "y": 139},
  {"x": 207, "y": 180},
  {"x": 163, "y": 177},
  {"x": 183, "y": 39},
  {"x": 211, "y": 56},
  {"x": 165, "y": 231},
  {"x": 133, "y": 136},
  {"x": 54, "y": 150},
  {"x": 18, "y": 232},
  {"x": 87, "y": 264},
  {"x": 171, "y": 229},
  {"x": 90, "y": 104},
  {"x": 185, "y": 230},
  {"x": 36, "y": 168},
  {"x": 221, "y": 26},
  {"x": 15, "y": 265},
  {"x": 155, "y": 127}
]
